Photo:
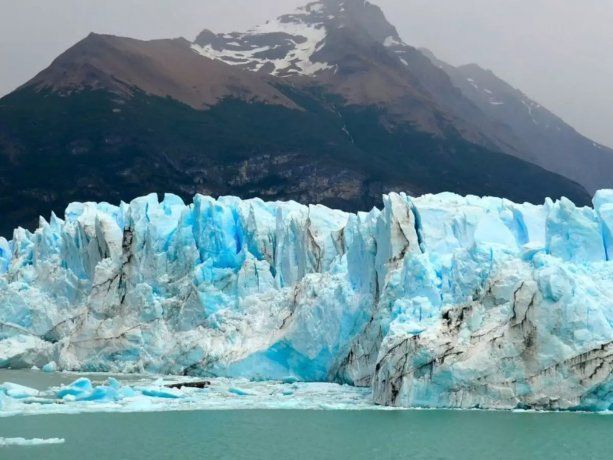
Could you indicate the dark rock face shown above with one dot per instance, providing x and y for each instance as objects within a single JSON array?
[{"x": 94, "y": 145}]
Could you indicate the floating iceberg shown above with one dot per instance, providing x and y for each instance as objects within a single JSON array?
[{"x": 437, "y": 301}]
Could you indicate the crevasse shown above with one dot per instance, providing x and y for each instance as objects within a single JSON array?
[{"x": 437, "y": 301}]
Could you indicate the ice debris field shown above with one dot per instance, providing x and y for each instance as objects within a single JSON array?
[
  {"x": 166, "y": 394},
  {"x": 439, "y": 301}
]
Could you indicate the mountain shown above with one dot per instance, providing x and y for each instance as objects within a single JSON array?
[
  {"x": 350, "y": 49},
  {"x": 438, "y": 301},
  {"x": 549, "y": 141},
  {"x": 325, "y": 105}
]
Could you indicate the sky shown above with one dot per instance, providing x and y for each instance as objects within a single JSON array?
[{"x": 559, "y": 52}]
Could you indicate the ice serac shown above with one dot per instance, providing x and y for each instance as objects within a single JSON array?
[
  {"x": 5, "y": 255},
  {"x": 437, "y": 301}
]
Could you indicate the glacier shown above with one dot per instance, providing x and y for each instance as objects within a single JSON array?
[{"x": 439, "y": 301}]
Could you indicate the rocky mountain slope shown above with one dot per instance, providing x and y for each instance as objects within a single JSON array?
[
  {"x": 164, "y": 68},
  {"x": 547, "y": 140},
  {"x": 326, "y": 105}
]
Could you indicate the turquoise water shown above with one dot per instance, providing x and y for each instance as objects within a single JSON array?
[
  {"x": 314, "y": 435},
  {"x": 289, "y": 434}
]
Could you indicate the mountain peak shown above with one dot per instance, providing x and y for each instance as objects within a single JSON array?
[
  {"x": 292, "y": 43},
  {"x": 359, "y": 14}
]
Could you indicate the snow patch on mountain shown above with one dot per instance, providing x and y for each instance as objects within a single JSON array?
[
  {"x": 492, "y": 100},
  {"x": 283, "y": 46},
  {"x": 392, "y": 41},
  {"x": 303, "y": 40}
]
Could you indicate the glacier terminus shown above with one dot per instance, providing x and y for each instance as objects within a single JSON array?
[{"x": 439, "y": 301}]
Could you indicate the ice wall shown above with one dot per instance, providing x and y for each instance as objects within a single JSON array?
[{"x": 437, "y": 301}]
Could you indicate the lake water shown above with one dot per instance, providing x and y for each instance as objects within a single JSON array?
[
  {"x": 292, "y": 434},
  {"x": 314, "y": 435}
]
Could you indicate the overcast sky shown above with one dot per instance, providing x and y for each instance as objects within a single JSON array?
[{"x": 559, "y": 52}]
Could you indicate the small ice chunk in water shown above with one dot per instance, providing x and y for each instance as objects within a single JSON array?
[
  {"x": 50, "y": 367},
  {"x": 6, "y": 442},
  {"x": 239, "y": 392},
  {"x": 18, "y": 391},
  {"x": 78, "y": 389},
  {"x": 154, "y": 392}
]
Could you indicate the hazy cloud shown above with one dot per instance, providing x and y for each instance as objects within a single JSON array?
[{"x": 559, "y": 52}]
